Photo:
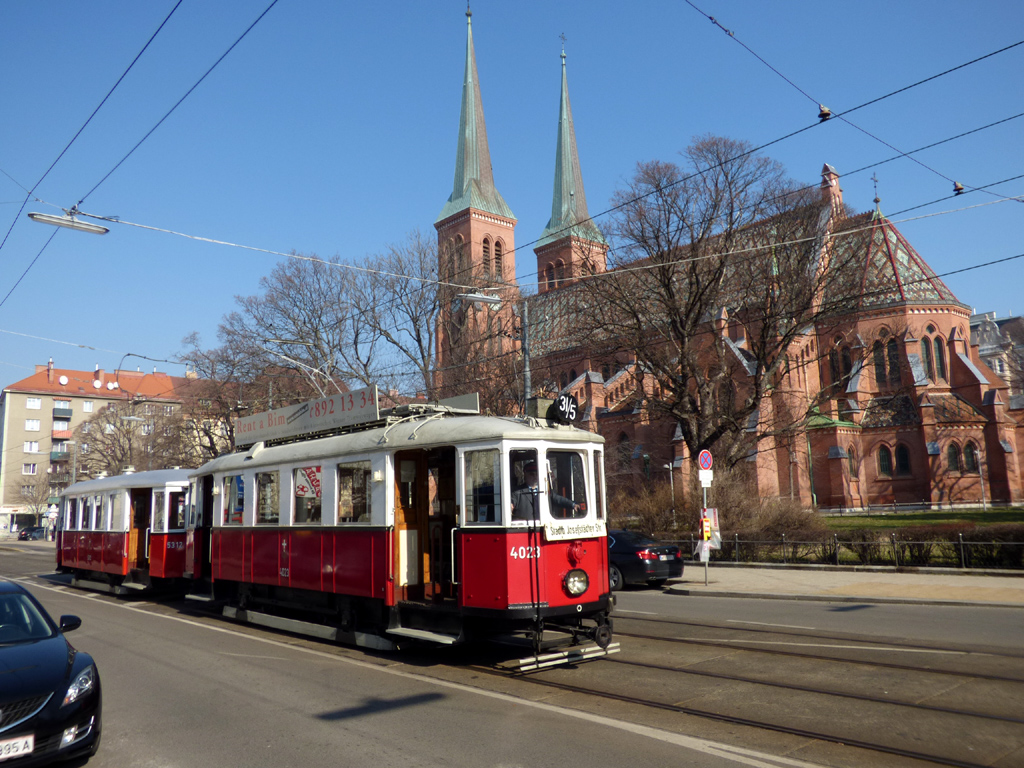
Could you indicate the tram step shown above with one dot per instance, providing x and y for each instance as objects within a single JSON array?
[{"x": 423, "y": 634}]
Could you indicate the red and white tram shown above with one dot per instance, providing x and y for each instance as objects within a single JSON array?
[
  {"x": 369, "y": 527},
  {"x": 128, "y": 531}
]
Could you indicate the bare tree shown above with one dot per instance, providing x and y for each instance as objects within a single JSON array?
[
  {"x": 721, "y": 271},
  {"x": 36, "y": 496}
]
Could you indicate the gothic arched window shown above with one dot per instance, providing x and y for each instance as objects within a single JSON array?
[
  {"x": 847, "y": 358},
  {"x": 893, "y": 350},
  {"x": 926, "y": 358},
  {"x": 970, "y": 458},
  {"x": 878, "y": 355},
  {"x": 940, "y": 357},
  {"x": 902, "y": 460},
  {"x": 499, "y": 262},
  {"x": 885, "y": 461},
  {"x": 953, "y": 457},
  {"x": 487, "y": 258},
  {"x": 851, "y": 457},
  {"x": 549, "y": 274},
  {"x": 560, "y": 271}
]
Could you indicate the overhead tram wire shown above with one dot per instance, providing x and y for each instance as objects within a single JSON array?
[
  {"x": 842, "y": 115},
  {"x": 35, "y": 186}
]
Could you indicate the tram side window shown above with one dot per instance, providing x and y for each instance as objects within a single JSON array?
[
  {"x": 159, "y": 511},
  {"x": 308, "y": 495},
  {"x": 354, "y": 492},
  {"x": 176, "y": 521},
  {"x": 234, "y": 499},
  {"x": 268, "y": 498},
  {"x": 483, "y": 486},
  {"x": 117, "y": 511},
  {"x": 567, "y": 488},
  {"x": 71, "y": 515}
]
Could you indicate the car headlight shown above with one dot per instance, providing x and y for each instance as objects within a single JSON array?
[
  {"x": 576, "y": 582},
  {"x": 82, "y": 685}
]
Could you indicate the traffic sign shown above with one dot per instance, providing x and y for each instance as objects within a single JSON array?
[{"x": 705, "y": 459}]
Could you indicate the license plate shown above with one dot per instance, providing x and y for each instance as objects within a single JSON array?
[
  {"x": 664, "y": 557},
  {"x": 23, "y": 745}
]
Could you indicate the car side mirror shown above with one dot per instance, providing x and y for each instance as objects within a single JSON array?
[{"x": 68, "y": 623}]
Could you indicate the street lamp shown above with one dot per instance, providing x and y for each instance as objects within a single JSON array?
[
  {"x": 672, "y": 490},
  {"x": 69, "y": 222},
  {"x": 494, "y": 301}
]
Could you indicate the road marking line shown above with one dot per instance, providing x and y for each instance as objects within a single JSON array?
[
  {"x": 841, "y": 647},
  {"x": 766, "y": 624}
]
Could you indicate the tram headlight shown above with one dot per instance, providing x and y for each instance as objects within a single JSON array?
[{"x": 576, "y": 582}]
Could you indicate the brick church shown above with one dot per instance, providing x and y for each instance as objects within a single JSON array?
[{"x": 913, "y": 416}]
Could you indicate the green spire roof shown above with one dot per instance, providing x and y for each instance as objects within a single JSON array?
[
  {"x": 569, "y": 205},
  {"x": 474, "y": 181}
]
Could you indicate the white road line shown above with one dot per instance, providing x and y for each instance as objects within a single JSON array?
[
  {"x": 842, "y": 647},
  {"x": 638, "y": 613},
  {"x": 737, "y": 754},
  {"x": 766, "y": 624}
]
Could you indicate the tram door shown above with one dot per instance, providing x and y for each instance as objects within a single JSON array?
[
  {"x": 138, "y": 534},
  {"x": 424, "y": 517}
]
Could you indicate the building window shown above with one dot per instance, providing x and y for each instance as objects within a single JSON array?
[
  {"x": 885, "y": 461},
  {"x": 878, "y": 355},
  {"x": 87, "y": 406},
  {"x": 487, "y": 257},
  {"x": 970, "y": 458},
  {"x": 550, "y": 276},
  {"x": 847, "y": 356},
  {"x": 31, "y": 425},
  {"x": 63, "y": 404},
  {"x": 940, "y": 357},
  {"x": 33, "y": 403},
  {"x": 953, "y": 457},
  {"x": 31, "y": 446},
  {"x": 902, "y": 460},
  {"x": 168, "y": 410},
  {"x": 61, "y": 425},
  {"x": 893, "y": 350},
  {"x": 28, "y": 469},
  {"x": 85, "y": 428},
  {"x": 926, "y": 358},
  {"x": 84, "y": 447},
  {"x": 851, "y": 454},
  {"x": 499, "y": 267}
]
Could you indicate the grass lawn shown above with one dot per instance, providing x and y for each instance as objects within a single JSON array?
[{"x": 940, "y": 517}]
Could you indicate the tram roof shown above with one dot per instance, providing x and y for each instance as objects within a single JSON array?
[
  {"x": 149, "y": 479},
  {"x": 421, "y": 432}
]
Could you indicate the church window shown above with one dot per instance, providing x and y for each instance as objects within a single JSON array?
[
  {"x": 572, "y": 375},
  {"x": 605, "y": 372},
  {"x": 487, "y": 258},
  {"x": 926, "y": 358},
  {"x": 499, "y": 264},
  {"x": 833, "y": 365},
  {"x": 550, "y": 275},
  {"x": 851, "y": 456},
  {"x": 460, "y": 255},
  {"x": 560, "y": 272},
  {"x": 878, "y": 354},
  {"x": 847, "y": 358},
  {"x": 563, "y": 380},
  {"x": 953, "y": 457},
  {"x": 970, "y": 458},
  {"x": 885, "y": 461},
  {"x": 893, "y": 350},
  {"x": 902, "y": 460},
  {"x": 940, "y": 357}
]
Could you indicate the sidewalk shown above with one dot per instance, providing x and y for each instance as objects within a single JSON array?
[{"x": 928, "y": 586}]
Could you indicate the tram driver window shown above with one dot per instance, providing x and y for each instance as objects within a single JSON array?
[
  {"x": 234, "y": 499},
  {"x": 268, "y": 498},
  {"x": 483, "y": 486},
  {"x": 117, "y": 511},
  {"x": 176, "y": 518},
  {"x": 524, "y": 473},
  {"x": 354, "y": 492},
  {"x": 159, "y": 512},
  {"x": 567, "y": 489},
  {"x": 307, "y": 494}
]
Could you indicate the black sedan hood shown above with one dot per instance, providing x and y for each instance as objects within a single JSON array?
[{"x": 34, "y": 668}]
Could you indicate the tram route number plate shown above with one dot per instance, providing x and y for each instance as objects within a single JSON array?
[{"x": 23, "y": 745}]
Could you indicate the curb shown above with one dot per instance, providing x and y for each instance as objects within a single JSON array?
[
  {"x": 839, "y": 598},
  {"x": 925, "y": 570}
]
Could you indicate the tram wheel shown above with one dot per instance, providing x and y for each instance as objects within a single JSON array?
[{"x": 603, "y": 635}]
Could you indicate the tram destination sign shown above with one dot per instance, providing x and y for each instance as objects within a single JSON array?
[{"x": 333, "y": 412}]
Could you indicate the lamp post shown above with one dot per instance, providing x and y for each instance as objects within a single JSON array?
[
  {"x": 524, "y": 337},
  {"x": 672, "y": 490}
]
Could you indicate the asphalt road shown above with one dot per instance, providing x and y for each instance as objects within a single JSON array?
[{"x": 188, "y": 691}]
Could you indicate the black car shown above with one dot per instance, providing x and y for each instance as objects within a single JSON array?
[
  {"x": 636, "y": 559},
  {"x": 32, "y": 533},
  {"x": 50, "y": 700}
]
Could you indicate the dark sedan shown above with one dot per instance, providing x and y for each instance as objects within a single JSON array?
[
  {"x": 49, "y": 692},
  {"x": 636, "y": 559},
  {"x": 32, "y": 533}
]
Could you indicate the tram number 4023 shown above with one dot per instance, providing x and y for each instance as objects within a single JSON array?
[{"x": 524, "y": 553}]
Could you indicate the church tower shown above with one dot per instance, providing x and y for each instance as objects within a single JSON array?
[
  {"x": 571, "y": 245},
  {"x": 476, "y": 251}
]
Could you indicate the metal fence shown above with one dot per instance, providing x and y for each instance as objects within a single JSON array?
[{"x": 891, "y": 551}]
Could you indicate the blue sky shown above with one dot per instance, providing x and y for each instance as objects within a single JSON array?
[{"x": 331, "y": 130}]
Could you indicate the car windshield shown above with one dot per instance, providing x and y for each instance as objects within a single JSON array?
[{"x": 21, "y": 621}]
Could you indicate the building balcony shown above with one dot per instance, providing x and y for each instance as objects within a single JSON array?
[
  {"x": 62, "y": 414},
  {"x": 61, "y": 434},
  {"x": 60, "y": 478},
  {"x": 60, "y": 455}
]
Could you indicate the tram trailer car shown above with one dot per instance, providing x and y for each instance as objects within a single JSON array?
[
  {"x": 124, "y": 532},
  {"x": 405, "y": 529}
]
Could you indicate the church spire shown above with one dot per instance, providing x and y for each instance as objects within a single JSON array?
[
  {"x": 474, "y": 181},
  {"x": 569, "y": 214}
]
